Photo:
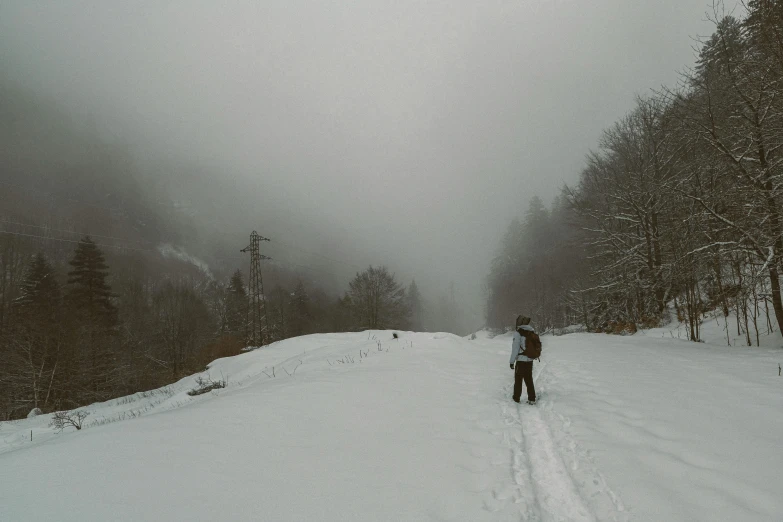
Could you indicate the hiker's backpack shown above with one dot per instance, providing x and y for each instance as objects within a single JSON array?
[{"x": 532, "y": 344}]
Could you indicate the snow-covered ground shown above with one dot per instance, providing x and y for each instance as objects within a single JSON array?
[
  {"x": 723, "y": 331},
  {"x": 362, "y": 427}
]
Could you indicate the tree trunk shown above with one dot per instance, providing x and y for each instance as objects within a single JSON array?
[
  {"x": 777, "y": 304},
  {"x": 660, "y": 291},
  {"x": 719, "y": 279},
  {"x": 774, "y": 221}
]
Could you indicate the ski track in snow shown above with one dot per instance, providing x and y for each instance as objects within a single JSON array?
[{"x": 544, "y": 486}]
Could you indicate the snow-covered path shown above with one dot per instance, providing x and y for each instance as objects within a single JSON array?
[
  {"x": 555, "y": 492},
  {"x": 363, "y": 427}
]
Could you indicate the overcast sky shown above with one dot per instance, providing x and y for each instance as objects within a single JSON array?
[{"x": 387, "y": 132}]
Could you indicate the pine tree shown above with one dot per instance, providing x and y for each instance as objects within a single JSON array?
[
  {"x": 89, "y": 299},
  {"x": 764, "y": 27},
  {"x": 236, "y": 305},
  {"x": 278, "y": 313},
  {"x": 536, "y": 230},
  {"x": 40, "y": 293},
  {"x": 32, "y": 363},
  {"x": 341, "y": 315},
  {"x": 89, "y": 294},
  {"x": 12, "y": 268},
  {"x": 299, "y": 309}
]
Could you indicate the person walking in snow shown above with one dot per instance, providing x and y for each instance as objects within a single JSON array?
[{"x": 523, "y": 351}]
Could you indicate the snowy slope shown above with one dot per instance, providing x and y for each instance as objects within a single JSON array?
[
  {"x": 423, "y": 428},
  {"x": 722, "y": 331}
]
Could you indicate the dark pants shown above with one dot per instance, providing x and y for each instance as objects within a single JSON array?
[{"x": 523, "y": 371}]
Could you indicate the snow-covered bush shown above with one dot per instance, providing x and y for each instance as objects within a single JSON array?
[{"x": 206, "y": 385}]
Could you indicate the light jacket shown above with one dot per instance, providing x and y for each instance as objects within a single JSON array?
[{"x": 518, "y": 346}]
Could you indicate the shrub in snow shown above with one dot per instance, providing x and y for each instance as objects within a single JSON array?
[
  {"x": 34, "y": 413},
  {"x": 206, "y": 386},
  {"x": 63, "y": 419}
]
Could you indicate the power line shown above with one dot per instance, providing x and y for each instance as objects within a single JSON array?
[
  {"x": 169, "y": 205},
  {"x": 87, "y": 234},
  {"x": 152, "y": 250},
  {"x": 320, "y": 270},
  {"x": 174, "y": 206},
  {"x": 319, "y": 255},
  {"x": 73, "y": 232},
  {"x": 64, "y": 240}
]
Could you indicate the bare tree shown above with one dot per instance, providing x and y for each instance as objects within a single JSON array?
[
  {"x": 377, "y": 300},
  {"x": 184, "y": 323},
  {"x": 64, "y": 419}
]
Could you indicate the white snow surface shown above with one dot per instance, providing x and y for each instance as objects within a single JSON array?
[{"x": 423, "y": 428}]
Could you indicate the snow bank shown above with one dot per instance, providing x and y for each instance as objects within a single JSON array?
[{"x": 719, "y": 330}]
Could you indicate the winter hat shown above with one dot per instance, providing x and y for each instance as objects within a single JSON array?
[{"x": 522, "y": 321}]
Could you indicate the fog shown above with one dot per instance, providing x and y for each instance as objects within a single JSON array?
[{"x": 398, "y": 133}]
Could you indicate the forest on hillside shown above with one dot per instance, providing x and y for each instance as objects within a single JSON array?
[
  {"x": 109, "y": 326},
  {"x": 96, "y": 302},
  {"x": 680, "y": 204}
]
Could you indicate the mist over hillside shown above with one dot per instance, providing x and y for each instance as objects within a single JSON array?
[
  {"x": 452, "y": 161},
  {"x": 405, "y": 135},
  {"x": 323, "y": 224},
  {"x": 62, "y": 172}
]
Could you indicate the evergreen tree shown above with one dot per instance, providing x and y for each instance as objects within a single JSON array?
[
  {"x": 40, "y": 293},
  {"x": 341, "y": 315},
  {"x": 764, "y": 27},
  {"x": 515, "y": 281},
  {"x": 89, "y": 294},
  {"x": 12, "y": 267},
  {"x": 278, "y": 313},
  {"x": 32, "y": 363},
  {"x": 89, "y": 299},
  {"x": 300, "y": 313},
  {"x": 236, "y": 305}
]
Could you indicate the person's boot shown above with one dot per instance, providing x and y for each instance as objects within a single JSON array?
[{"x": 531, "y": 402}]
